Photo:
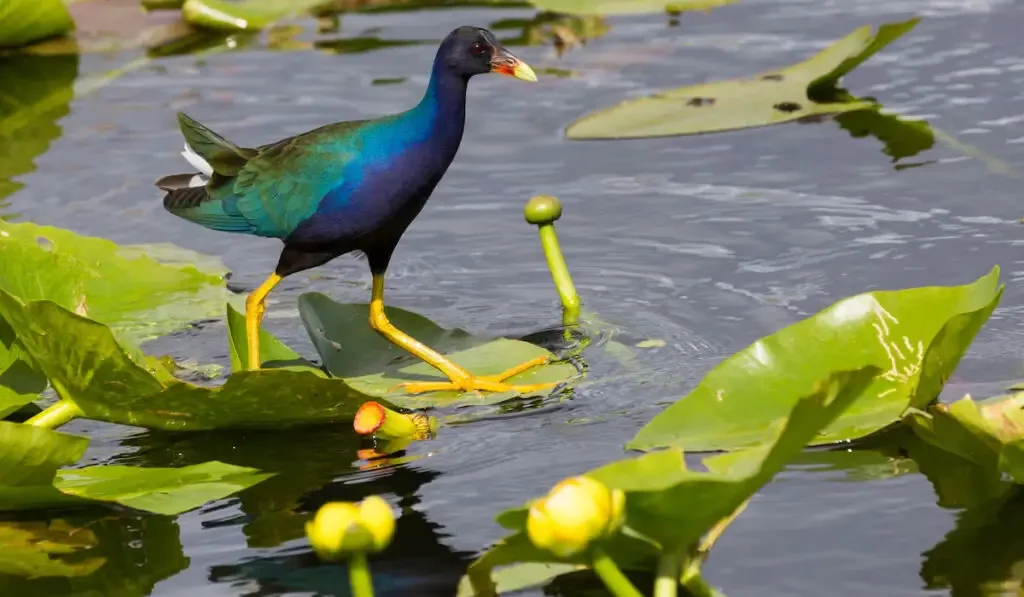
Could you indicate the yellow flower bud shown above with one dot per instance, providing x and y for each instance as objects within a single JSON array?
[
  {"x": 340, "y": 529},
  {"x": 575, "y": 513}
]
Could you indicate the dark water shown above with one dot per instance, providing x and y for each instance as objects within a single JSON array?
[{"x": 704, "y": 242}]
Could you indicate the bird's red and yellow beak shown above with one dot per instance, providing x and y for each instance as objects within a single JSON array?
[{"x": 507, "y": 64}]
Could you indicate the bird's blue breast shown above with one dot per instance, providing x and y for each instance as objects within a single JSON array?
[{"x": 389, "y": 163}]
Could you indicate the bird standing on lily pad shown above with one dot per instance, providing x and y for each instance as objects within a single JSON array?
[{"x": 345, "y": 187}]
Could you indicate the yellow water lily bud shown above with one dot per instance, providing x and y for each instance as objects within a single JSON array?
[
  {"x": 575, "y": 513},
  {"x": 340, "y": 529}
]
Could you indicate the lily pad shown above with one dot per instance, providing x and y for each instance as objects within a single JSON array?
[
  {"x": 672, "y": 507},
  {"x": 613, "y": 7},
  {"x": 989, "y": 433},
  {"x": 916, "y": 337},
  {"x": 353, "y": 351},
  {"x": 87, "y": 366},
  {"x": 244, "y": 15},
  {"x": 29, "y": 477},
  {"x": 796, "y": 92},
  {"x": 25, "y": 21}
]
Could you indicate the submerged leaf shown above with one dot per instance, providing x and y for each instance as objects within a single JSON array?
[
  {"x": 353, "y": 351},
  {"x": 916, "y": 337},
  {"x": 673, "y": 507},
  {"x": 36, "y": 549},
  {"x": 25, "y": 21},
  {"x": 792, "y": 93}
]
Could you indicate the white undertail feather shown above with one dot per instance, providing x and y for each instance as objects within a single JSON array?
[{"x": 200, "y": 164}]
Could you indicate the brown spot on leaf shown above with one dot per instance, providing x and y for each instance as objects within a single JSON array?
[
  {"x": 700, "y": 101},
  {"x": 81, "y": 308},
  {"x": 772, "y": 77},
  {"x": 787, "y": 107}
]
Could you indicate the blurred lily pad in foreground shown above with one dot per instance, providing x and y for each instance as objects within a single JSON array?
[
  {"x": 670, "y": 506},
  {"x": 804, "y": 90}
]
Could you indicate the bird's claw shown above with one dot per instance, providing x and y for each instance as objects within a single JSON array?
[{"x": 487, "y": 383}]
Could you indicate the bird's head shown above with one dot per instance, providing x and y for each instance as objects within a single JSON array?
[{"x": 472, "y": 51}]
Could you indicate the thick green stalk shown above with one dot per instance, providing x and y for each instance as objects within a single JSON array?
[
  {"x": 609, "y": 573},
  {"x": 60, "y": 413},
  {"x": 693, "y": 581},
  {"x": 359, "y": 576},
  {"x": 560, "y": 274},
  {"x": 667, "y": 582}
]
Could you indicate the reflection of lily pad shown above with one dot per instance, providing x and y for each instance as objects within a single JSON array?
[
  {"x": 792, "y": 93},
  {"x": 916, "y": 337},
  {"x": 29, "y": 477},
  {"x": 353, "y": 351},
  {"x": 25, "y": 21},
  {"x": 36, "y": 549},
  {"x": 135, "y": 553},
  {"x": 671, "y": 506}
]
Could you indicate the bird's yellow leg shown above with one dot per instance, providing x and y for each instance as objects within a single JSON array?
[
  {"x": 254, "y": 307},
  {"x": 460, "y": 379}
]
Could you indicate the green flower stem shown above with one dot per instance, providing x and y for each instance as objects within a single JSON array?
[
  {"x": 560, "y": 274},
  {"x": 667, "y": 582},
  {"x": 60, "y": 413},
  {"x": 359, "y": 577},
  {"x": 613, "y": 578},
  {"x": 693, "y": 581}
]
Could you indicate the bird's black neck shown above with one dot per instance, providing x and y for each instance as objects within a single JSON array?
[{"x": 444, "y": 102}]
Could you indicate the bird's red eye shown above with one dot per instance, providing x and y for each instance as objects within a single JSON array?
[{"x": 478, "y": 49}]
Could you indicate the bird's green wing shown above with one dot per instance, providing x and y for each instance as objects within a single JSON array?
[{"x": 224, "y": 157}]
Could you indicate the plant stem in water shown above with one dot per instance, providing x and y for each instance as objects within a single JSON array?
[
  {"x": 359, "y": 576},
  {"x": 560, "y": 274},
  {"x": 60, "y": 413},
  {"x": 667, "y": 582},
  {"x": 613, "y": 578}
]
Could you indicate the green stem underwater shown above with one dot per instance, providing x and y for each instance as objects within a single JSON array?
[
  {"x": 359, "y": 576},
  {"x": 64, "y": 411},
  {"x": 667, "y": 582},
  {"x": 609, "y": 573}
]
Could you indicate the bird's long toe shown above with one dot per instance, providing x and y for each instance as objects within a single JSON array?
[{"x": 486, "y": 383}]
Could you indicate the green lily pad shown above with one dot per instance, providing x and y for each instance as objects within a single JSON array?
[
  {"x": 989, "y": 433},
  {"x": 916, "y": 337},
  {"x": 29, "y": 477},
  {"x": 803, "y": 90},
  {"x": 245, "y": 15},
  {"x": 87, "y": 366},
  {"x": 672, "y": 507},
  {"x": 25, "y": 21},
  {"x": 353, "y": 351},
  {"x": 613, "y": 7}
]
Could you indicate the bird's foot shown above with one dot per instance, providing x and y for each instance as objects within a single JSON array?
[{"x": 486, "y": 383}]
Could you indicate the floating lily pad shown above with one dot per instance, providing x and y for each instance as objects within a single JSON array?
[
  {"x": 87, "y": 366},
  {"x": 671, "y": 506},
  {"x": 353, "y": 351},
  {"x": 916, "y": 337},
  {"x": 244, "y": 15},
  {"x": 25, "y": 21},
  {"x": 989, "y": 433},
  {"x": 800, "y": 91},
  {"x": 29, "y": 477},
  {"x": 610, "y": 7}
]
